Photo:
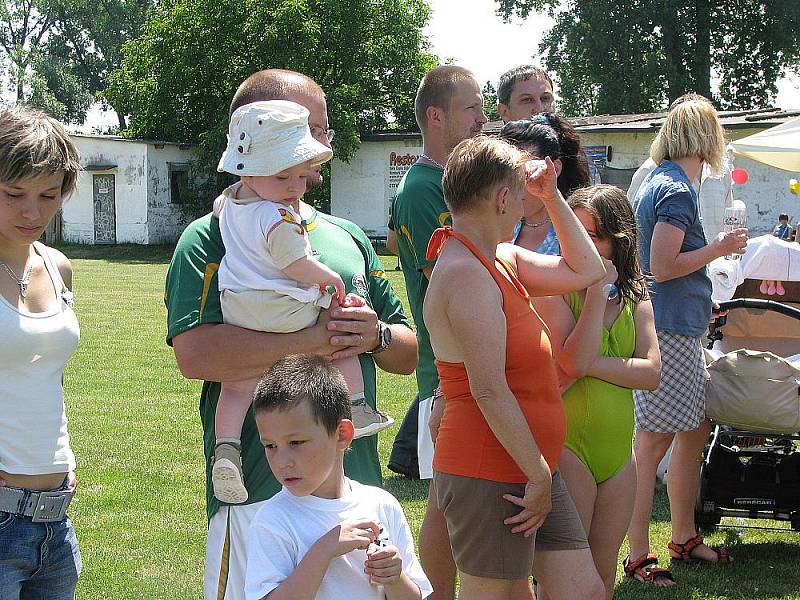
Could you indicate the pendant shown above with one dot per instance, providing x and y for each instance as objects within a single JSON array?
[{"x": 23, "y": 288}]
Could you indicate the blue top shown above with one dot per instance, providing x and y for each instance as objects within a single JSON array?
[
  {"x": 549, "y": 245},
  {"x": 782, "y": 232},
  {"x": 681, "y": 305}
]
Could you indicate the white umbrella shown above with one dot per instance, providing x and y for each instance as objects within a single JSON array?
[{"x": 778, "y": 146}]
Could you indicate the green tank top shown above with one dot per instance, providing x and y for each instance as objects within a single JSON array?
[{"x": 599, "y": 413}]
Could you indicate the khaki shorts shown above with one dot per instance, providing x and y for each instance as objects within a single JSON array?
[
  {"x": 266, "y": 310},
  {"x": 483, "y": 546}
]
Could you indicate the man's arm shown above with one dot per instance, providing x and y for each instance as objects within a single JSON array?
[{"x": 220, "y": 352}]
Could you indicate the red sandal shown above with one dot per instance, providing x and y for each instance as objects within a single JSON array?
[
  {"x": 638, "y": 569},
  {"x": 685, "y": 550}
]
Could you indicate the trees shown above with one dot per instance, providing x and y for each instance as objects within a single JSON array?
[
  {"x": 490, "y": 102},
  {"x": 61, "y": 51},
  {"x": 178, "y": 78},
  {"x": 635, "y": 55}
]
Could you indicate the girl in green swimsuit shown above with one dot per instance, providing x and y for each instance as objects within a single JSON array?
[{"x": 603, "y": 349}]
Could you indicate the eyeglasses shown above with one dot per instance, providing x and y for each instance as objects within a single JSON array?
[{"x": 319, "y": 132}]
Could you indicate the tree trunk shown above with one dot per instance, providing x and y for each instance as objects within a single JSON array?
[
  {"x": 673, "y": 44},
  {"x": 702, "y": 51},
  {"x": 121, "y": 118}
]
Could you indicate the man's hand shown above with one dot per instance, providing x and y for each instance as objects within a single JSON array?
[
  {"x": 536, "y": 505},
  {"x": 356, "y": 327},
  {"x": 349, "y": 536},
  {"x": 384, "y": 565}
]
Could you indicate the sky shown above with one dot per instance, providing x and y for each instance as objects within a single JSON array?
[{"x": 469, "y": 32}]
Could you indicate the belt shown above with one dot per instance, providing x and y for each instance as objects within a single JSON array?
[{"x": 42, "y": 507}]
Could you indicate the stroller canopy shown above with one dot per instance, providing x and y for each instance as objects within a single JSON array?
[{"x": 778, "y": 146}]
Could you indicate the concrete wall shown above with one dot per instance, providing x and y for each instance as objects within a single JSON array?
[
  {"x": 144, "y": 211},
  {"x": 362, "y": 190},
  {"x": 766, "y": 193},
  {"x": 130, "y": 159},
  {"x": 165, "y": 220}
]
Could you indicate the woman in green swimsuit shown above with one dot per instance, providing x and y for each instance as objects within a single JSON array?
[{"x": 603, "y": 348}]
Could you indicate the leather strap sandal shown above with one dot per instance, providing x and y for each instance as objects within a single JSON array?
[
  {"x": 684, "y": 552},
  {"x": 645, "y": 569}
]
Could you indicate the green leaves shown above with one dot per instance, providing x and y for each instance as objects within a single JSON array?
[
  {"x": 178, "y": 78},
  {"x": 628, "y": 56}
]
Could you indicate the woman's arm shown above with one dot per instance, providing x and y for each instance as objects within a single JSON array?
[
  {"x": 668, "y": 262},
  {"x": 579, "y": 266},
  {"x": 643, "y": 370},
  {"x": 556, "y": 313}
]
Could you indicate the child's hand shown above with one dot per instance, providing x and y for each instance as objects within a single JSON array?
[
  {"x": 384, "y": 565},
  {"x": 334, "y": 281},
  {"x": 349, "y": 536},
  {"x": 610, "y": 277}
]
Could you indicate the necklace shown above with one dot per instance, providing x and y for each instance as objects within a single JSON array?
[
  {"x": 537, "y": 223},
  {"x": 429, "y": 159},
  {"x": 21, "y": 283}
]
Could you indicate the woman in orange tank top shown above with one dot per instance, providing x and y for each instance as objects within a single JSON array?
[{"x": 503, "y": 426}]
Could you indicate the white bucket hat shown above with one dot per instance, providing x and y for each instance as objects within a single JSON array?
[{"x": 265, "y": 138}]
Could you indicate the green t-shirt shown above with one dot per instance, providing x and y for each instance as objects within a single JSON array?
[
  {"x": 418, "y": 210},
  {"x": 192, "y": 299}
]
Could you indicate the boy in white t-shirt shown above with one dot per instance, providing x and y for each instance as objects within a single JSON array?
[
  {"x": 269, "y": 279},
  {"x": 322, "y": 536}
]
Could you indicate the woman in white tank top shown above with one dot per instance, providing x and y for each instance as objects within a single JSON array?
[{"x": 39, "y": 555}]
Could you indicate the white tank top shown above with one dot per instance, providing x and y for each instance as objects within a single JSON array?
[{"x": 34, "y": 348}]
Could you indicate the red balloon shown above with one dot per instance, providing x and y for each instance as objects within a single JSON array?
[{"x": 739, "y": 176}]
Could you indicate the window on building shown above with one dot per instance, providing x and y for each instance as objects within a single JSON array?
[{"x": 178, "y": 183}]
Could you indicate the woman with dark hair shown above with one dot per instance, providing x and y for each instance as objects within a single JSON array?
[
  {"x": 603, "y": 349},
  {"x": 553, "y": 136}
]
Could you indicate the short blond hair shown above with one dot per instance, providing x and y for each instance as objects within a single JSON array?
[
  {"x": 477, "y": 165},
  {"x": 437, "y": 89},
  {"x": 34, "y": 144},
  {"x": 691, "y": 128}
]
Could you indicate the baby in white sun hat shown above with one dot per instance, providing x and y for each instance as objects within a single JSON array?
[{"x": 269, "y": 279}]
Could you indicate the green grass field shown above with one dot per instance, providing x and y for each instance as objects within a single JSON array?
[{"x": 140, "y": 513}]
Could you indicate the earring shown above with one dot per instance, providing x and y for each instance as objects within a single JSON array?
[{"x": 503, "y": 209}]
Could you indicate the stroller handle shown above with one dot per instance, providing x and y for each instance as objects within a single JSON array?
[{"x": 784, "y": 309}]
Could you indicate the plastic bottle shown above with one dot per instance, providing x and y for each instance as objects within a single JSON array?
[
  {"x": 611, "y": 291},
  {"x": 735, "y": 218}
]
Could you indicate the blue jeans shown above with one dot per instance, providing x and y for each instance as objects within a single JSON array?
[{"x": 38, "y": 561}]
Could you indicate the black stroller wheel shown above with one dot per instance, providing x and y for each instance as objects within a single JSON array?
[{"x": 706, "y": 515}]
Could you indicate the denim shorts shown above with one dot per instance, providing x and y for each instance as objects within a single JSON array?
[{"x": 38, "y": 561}]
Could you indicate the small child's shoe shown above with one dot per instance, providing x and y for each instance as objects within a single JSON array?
[
  {"x": 367, "y": 420},
  {"x": 226, "y": 474}
]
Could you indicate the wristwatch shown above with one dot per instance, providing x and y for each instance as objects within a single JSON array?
[{"x": 384, "y": 338}]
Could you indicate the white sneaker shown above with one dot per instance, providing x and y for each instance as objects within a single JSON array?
[
  {"x": 367, "y": 420},
  {"x": 226, "y": 474}
]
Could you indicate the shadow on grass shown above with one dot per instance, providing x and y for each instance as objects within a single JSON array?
[
  {"x": 761, "y": 571},
  {"x": 134, "y": 254},
  {"x": 405, "y": 489}
]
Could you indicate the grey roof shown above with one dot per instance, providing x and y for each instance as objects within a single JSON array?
[{"x": 638, "y": 123}]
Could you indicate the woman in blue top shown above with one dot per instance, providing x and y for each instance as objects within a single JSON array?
[
  {"x": 675, "y": 252},
  {"x": 550, "y": 135}
]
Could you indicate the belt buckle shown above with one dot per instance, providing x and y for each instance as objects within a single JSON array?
[{"x": 51, "y": 506}]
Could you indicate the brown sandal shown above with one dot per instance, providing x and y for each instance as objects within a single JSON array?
[
  {"x": 685, "y": 550},
  {"x": 638, "y": 569}
]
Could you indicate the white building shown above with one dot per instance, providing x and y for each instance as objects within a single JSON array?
[
  {"x": 362, "y": 189},
  {"x": 129, "y": 191}
]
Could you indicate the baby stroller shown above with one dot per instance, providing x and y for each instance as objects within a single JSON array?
[{"x": 751, "y": 467}]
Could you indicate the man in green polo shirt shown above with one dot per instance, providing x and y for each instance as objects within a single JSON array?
[
  {"x": 449, "y": 109},
  {"x": 207, "y": 349}
]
